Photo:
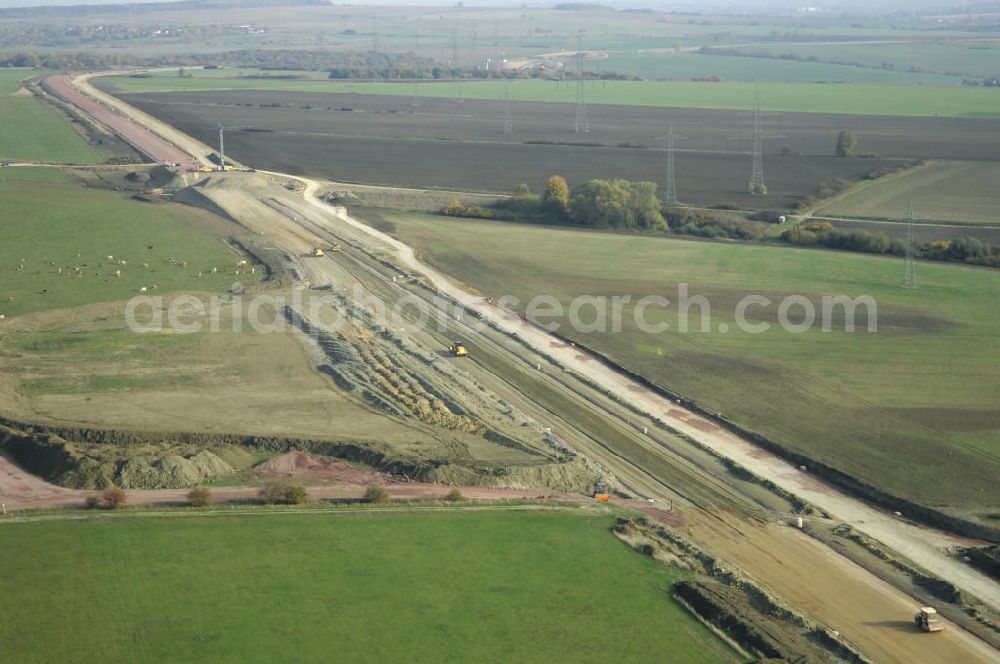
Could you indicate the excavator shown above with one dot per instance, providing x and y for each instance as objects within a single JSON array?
[
  {"x": 319, "y": 252},
  {"x": 458, "y": 349}
]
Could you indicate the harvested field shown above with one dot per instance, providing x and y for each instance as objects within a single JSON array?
[
  {"x": 944, "y": 191},
  {"x": 450, "y": 145},
  {"x": 348, "y": 115},
  {"x": 519, "y": 584}
]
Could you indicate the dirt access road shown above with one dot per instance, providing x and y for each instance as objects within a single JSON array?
[
  {"x": 808, "y": 574},
  {"x": 19, "y": 490}
]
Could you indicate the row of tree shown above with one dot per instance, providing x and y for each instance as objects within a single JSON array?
[
  {"x": 624, "y": 205},
  {"x": 276, "y": 59},
  {"x": 822, "y": 234}
]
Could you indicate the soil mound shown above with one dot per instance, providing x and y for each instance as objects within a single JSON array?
[
  {"x": 300, "y": 465},
  {"x": 173, "y": 470}
]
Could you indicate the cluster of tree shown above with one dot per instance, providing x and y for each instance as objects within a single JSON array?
[
  {"x": 702, "y": 223},
  {"x": 847, "y": 142},
  {"x": 823, "y": 234},
  {"x": 988, "y": 82},
  {"x": 618, "y": 204},
  {"x": 455, "y": 208},
  {"x": 111, "y": 498},
  {"x": 287, "y": 494},
  {"x": 966, "y": 249}
]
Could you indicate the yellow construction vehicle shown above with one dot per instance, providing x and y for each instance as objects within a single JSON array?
[
  {"x": 458, "y": 349},
  {"x": 206, "y": 169},
  {"x": 601, "y": 491},
  {"x": 318, "y": 252},
  {"x": 928, "y": 620}
]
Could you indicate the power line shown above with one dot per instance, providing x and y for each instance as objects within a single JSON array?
[
  {"x": 508, "y": 126},
  {"x": 222, "y": 146},
  {"x": 670, "y": 191},
  {"x": 910, "y": 263},
  {"x": 757, "y": 185},
  {"x": 580, "y": 124}
]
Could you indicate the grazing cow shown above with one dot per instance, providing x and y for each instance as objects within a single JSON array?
[{"x": 142, "y": 290}]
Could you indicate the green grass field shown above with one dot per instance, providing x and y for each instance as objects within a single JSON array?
[
  {"x": 48, "y": 219},
  {"x": 685, "y": 66},
  {"x": 30, "y": 131},
  {"x": 968, "y": 59},
  {"x": 910, "y": 406},
  {"x": 792, "y": 97},
  {"x": 486, "y": 586}
]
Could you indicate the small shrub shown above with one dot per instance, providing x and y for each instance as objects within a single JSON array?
[
  {"x": 376, "y": 493},
  {"x": 455, "y": 495},
  {"x": 272, "y": 494},
  {"x": 295, "y": 494},
  {"x": 92, "y": 501},
  {"x": 113, "y": 498},
  {"x": 200, "y": 497}
]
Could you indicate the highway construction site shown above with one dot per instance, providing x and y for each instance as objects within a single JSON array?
[{"x": 805, "y": 570}]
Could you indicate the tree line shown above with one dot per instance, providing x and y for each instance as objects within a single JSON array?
[{"x": 634, "y": 206}]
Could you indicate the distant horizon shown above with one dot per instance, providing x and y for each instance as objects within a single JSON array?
[{"x": 709, "y": 6}]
